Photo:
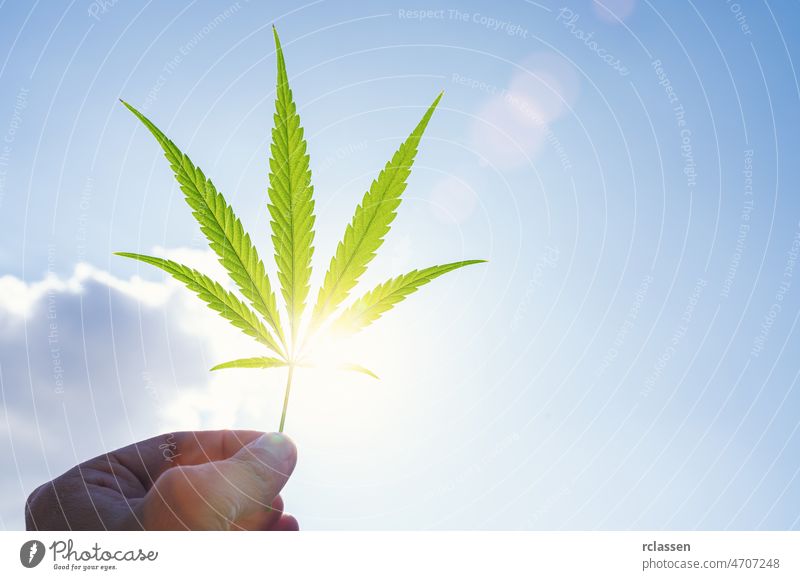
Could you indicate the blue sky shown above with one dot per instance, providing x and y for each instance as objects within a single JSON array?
[{"x": 624, "y": 360}]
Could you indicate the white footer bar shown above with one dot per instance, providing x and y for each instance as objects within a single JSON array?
[{"x": 389, "y": 555}]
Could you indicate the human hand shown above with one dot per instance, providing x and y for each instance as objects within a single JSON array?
[{"x": 194, "y": 480}]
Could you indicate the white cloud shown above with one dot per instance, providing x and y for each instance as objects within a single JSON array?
[
  {"x": 18, "y": 298},
  {"x": 92, "y": 362}
]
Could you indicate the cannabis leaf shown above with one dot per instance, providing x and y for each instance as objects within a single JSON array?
[
  {"x": 256, "y": 362},
  {"x": 219, "y": 299},
  {"x": 371, "y": 222},
  {"x": 291, "y": 209},
  {"x": 383, "y": 297},
  {"x": 223, "y": 229},
  {"x": 290, "y": 194}
]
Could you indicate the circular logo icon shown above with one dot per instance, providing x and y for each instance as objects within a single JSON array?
[{"x": 31, "y": 553}]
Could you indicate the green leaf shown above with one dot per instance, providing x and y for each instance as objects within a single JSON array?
[
  {"x": 359, "y": 369},
  {"x": 341, "y": 367},
  {"x": 219, "y": 299},
  {"x": 223, "y": 229},
  {"x": 383, "y": 297},
  {"x": 291, "y": 199},
  {"x": 256, "y": 362},
  {"x": 370, "y": 224}
]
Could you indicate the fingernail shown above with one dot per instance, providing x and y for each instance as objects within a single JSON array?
[{"x": 279, "y": 447}]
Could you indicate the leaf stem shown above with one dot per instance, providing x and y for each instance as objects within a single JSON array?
[{"x": 286, "y": 396}]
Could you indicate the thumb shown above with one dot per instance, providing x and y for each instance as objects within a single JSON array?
[
  {"x": 216, "y": 495},
  {"x": 257, "y": 473}
]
